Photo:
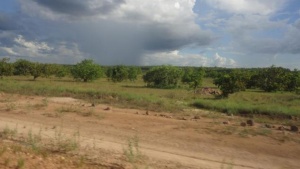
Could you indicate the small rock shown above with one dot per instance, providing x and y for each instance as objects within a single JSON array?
[
  {"x": 93, "y": 105},
  {"x": 243, "y": 124},
  {"x": 182, "y": 118},
  {"x": 137, "y": 112},
  {"x": 294, "y": 129},
  {"x": 268, "y": 126},
  {"x": 250, "y": 122},
  {"x": 147, "y": 113},
  {"x": 196, "y": 117},
  {"x": 169, "y": 117},
  {"x": 226, "y": 122},
  {"x": 107, "y": 108},
  {"x": 281, "y": 128}
]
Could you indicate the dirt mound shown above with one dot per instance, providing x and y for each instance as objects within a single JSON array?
[{"x": 209, "y": 91}]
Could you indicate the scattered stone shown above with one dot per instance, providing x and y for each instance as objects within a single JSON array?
[
  {"x": 137, "y": 112},
  {"x": 197, "y": 117},
  {"x": 281, "y": 128},
  {"x": 250, "y": 122},
  {"x": 182, "y": 118},
  {"x": 147, "y": 113},
  {"x": 107, "y": 108},
  {"x": 294, "y": 129},
  {"x": 93, "y": 105},
  {"x": 268, "y": 126},
  {"x": 226, "y": 122},
  {"x": 243, "y": 124},
  {"x": 169, "y": 117}
]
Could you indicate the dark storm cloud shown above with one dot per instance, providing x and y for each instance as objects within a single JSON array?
[
  {"x": 111, "y": 41},
  {"x": 7, "y": 22},
  {"x": 80, "y": 7}
]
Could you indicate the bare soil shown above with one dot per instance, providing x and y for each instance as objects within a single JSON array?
[{"x": 191, "y": 140}]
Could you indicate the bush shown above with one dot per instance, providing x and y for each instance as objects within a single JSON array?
[
  {"x": 86, "y": 70},
  {"x": 163, "y": 77}
]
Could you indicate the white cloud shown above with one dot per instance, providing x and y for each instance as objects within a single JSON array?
[
  {"x": 220, "y": 61},
  {"x": 33, "y": 47},
  {"x": 261, "y": 7},
  {"x": 185, "y": 59},
  {"x": 40, "y": 51}
]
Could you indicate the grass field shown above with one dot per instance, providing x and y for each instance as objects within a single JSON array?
[{"x": 136, "y": 95}]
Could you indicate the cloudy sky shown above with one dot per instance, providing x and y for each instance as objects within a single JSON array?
[{"x": 224, "y": 33}]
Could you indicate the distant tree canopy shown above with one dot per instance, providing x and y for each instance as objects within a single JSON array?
[
  {"x": 270, "y": 79},
  {"x": 193, "y": 77},
  {"x": 86, "y": 71},
  {"x": 230, "y": 83},
  {"x": 120, "y": 73},
  {"x": 163, "y": 77},
  {"x": 6, "y": 69},
  {"x": 22, "y": 67},
  {"x": 277, "y": 79}
]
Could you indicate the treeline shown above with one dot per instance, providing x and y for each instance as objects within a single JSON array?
[
  {"x": 269, "y": 79},
  {"x": 85, "y": 70},
  {"x": 24, "y": 67}
]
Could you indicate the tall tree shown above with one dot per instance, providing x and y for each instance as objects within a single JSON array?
[
  {"x": 193, "y": 77},
  {"x": 6, "y": 68},
  {"x": 86, "y": 70},
  {"x": 163, "y": 77}
]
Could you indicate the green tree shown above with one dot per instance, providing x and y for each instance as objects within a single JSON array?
[
  {"x": 163, "y": 77},
  {"x": 133, "y": 73},
  {"x": 119, "y": 73},
  {"x": 61, "y": 71},
  {"x": 193, "y": 77},
  {"x": 37, "y": 70},
  {"x": 293, "y": 81},
  {"x": 232, "y": 82},
  {"x": 22, "y": 67},
  {"x": 273, "y": 79},
  {"x": 86, "y": 70},
  {"x": 6, "y": 69}
]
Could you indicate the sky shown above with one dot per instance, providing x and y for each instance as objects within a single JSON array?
[{"x": 222, "y": 33}]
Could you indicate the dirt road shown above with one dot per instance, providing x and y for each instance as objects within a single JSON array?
[{"x": 164, "y": 141}]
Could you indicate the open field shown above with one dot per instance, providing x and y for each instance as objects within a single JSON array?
[
  {"x": 282, "y": 105},
  {"x": 68, "y": 124},
  {"x": 63, "y": 132}
]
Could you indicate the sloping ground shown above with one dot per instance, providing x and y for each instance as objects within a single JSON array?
[{"x": 156, "y": 140}]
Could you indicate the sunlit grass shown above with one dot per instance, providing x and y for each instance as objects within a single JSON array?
[{"x": 136, "y": 95}]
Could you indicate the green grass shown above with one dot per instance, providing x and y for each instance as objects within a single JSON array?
[
  {"x": 255, "y": 103},
  {"x": 136, "y": 95}
]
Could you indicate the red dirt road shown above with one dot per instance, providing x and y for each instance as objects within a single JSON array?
[{"x": 165, "y": 142}]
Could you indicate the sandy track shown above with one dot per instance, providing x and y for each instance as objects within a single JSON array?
[{"x": 167, "y": 143}]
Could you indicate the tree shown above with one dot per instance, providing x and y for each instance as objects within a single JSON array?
[
  {"x": 133, "y": 73},
  {"x": 163, "y": 77},
  {"x": 86, "y": 70},
  {"x": 293, "y": 81},
  {"x": 6, "y": 69},
  {"x": 37, "y": 70},
  {"x": 119, "y": 73},
  {"x": 232, "y": 82},
  {"x": 193, "y": 77},
  {"x": 273, "y": 79},
  {"x": 22, "y": 67},
  {"x": 60, "y": 71}
]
